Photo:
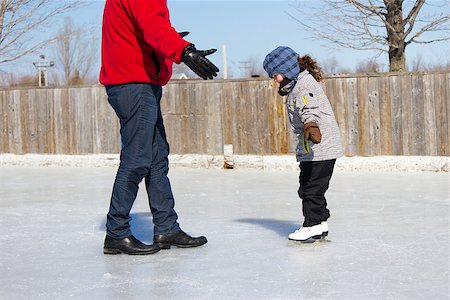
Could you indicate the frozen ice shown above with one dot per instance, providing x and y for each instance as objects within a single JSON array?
[{"x": 388, "y": 237}]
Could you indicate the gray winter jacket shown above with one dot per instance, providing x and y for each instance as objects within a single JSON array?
[{"x": 307, "y": 102}]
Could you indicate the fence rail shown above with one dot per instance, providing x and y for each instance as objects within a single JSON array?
[{"x": 389, "y": 114}]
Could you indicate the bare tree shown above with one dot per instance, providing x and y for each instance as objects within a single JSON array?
[
  {"x": 382, "y": 25},
  {"x": 76, "y": 49},
  {"x": 444, "y": 66},
  {"x": 418, "y": 64},
  {"x": 21, "y": 20},
  {"x": 26, "y": 80},
  {"x": 14, "y": 80},
  {"x": 5, "y": 79},
  {"x": 330, "y": 65},
  {"x": 368, "y": 66},
  {"x": 252, "y": 67}
]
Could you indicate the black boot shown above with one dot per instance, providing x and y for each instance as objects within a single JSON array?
[
  {"x": 179, "y": 239},
  {"x": 129, "y": 245}
]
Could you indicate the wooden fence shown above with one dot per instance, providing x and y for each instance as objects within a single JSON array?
[{"x": 387, "y": 114}]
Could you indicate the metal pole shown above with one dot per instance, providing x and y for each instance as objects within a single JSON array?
[{"x": 225, "y": 67}]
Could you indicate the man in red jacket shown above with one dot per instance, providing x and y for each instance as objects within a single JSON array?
[{"x": 139, "y": 46}]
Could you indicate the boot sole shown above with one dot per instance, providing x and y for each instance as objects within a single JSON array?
[
  {"x": 315, "y": 237},
  {"x": 311, "y": 239},
  {"x": 167, "y": 246},
  {"x": 111, "y": 251}
]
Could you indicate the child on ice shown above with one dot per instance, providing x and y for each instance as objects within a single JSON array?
[{"x": 312, "y": 120}]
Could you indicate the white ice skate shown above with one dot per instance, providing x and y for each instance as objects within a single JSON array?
[
  {"x": 324, "y": 228},
  {"x": 310, "y": 233}
]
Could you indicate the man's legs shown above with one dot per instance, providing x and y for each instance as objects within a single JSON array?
[
  {"x": 167, "y": 231},
  {"x": 137, "y": 108},
  {"x": 159, "y": 191}
]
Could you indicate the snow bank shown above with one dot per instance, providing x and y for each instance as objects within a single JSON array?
[{"x": 282, "y": 162}]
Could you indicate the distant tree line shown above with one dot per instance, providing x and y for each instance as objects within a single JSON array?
[{"x": 388, "y": 26}]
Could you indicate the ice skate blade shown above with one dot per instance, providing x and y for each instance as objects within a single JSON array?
[
  {"x": 309, "y": 241},
  {"x": 324, "y": 240}
]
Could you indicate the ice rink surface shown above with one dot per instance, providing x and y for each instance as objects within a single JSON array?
[{"x": 388, "y": 238}]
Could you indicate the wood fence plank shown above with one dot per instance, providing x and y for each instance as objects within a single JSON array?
[
  {"x": 70, "y": 123},
  {"x": 272, "y": 127},
  {"x": 86, "y": 128},
  {"x": 418, "y": 115},
  {"x": 385, "y": 116},
  {"x": 260, "y": 133},
  {"x": 96, "y": 118},
  {"x": 430, "y": 123},
  {"x": 214, "y": 138},
  {"x": 262, "y": 121},
  {"x": 73, "y": 126},
  {"x": 46, "y": 120},
  {"x": 189, "y": 131},
  {"x": 50, "y": 124},
  {"x": 28, "y": 115},
  {"x": 241, "y": 120},
  {"x": 396, "y": 115},
  {"x": 352, "y": 114},
  {"x": 407, "y": 115},
  {"x": 340, "y": 94},
  {"x": 42, "y": 119},
  {"x": 61, "y": 122},
  {"x": 280, "y": 132},
  {"x": 14, "y": 125},
  {"x": 228, "y": 116},
  {"x": 234, "y": 119},
  {"x": 184, "y": 134},
  {"x": 168, "y": 109},
  {"x": 364, "y": 119},
  {"x": 200, "y": 117},
  {"x": 286, "y": 144},
  {"x": 374, "y": 116},
  {"x": 254, "y": 138},
  {"x": 446, "y": 101},
  {"x": 4, "y": 145},
  {"x": 39, "y": 98},
  {"x": 441, "y": 115}
]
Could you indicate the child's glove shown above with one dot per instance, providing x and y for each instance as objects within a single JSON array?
[{"x": 311, "y": 131}]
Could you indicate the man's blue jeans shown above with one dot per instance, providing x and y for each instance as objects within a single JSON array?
[{"x": 143, "y": 155}]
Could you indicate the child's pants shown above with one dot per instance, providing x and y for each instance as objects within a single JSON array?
[{"x": 314, "y": 181}]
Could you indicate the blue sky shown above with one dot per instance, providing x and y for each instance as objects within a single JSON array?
[{"x": 251, "y": 29}]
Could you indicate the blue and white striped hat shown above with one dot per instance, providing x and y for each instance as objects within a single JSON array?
[{"x": 282, "y": 60}]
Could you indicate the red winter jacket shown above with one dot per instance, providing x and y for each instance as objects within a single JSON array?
[{"x": 138, "y": 42}]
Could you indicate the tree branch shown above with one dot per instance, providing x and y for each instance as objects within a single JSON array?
[
  {"x": 433, "y": 26},
  {"x": 411, "y": 18},
  {"x": 21, "y": 19}
]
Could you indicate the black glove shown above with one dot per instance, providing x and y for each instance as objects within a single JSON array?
[
  {"x": 183, "y": 33},
  {"x": 196, "y": 61}
]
